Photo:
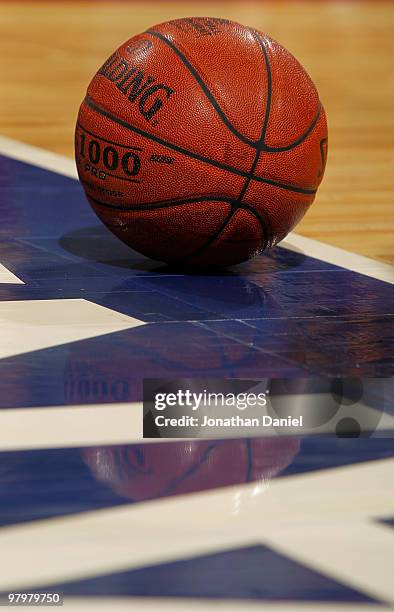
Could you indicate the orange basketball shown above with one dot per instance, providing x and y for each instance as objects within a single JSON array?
[{"x": 201, "y": 142}]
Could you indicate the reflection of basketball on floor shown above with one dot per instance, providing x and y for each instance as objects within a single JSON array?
[
  {"x": 155, "y": 351},
  {"x": 95, "y": 378},
  {"x": 147, "y": 471},
  {"x": 171, "y": 350}
]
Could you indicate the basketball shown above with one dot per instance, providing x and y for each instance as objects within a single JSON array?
[
  {"x": 196, "y": 363},
  {"x": 201, "y": 142}
]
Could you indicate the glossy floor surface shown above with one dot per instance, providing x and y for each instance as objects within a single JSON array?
[{"x": 87, "y": 508}]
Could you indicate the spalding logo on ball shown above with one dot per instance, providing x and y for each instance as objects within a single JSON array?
[{"x": 201, "y": 142}]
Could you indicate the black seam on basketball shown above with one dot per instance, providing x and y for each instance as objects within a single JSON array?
[
  {"x": 204, "y": 88},
  {"x": 265, "y": 226},
  {"x": 267, "y": 181},
  {"x": 122, "y": 178},
  {"x": 234, "y": 209},
  {"x": 235, "y": 205},
  {"x": 165, "y": 203},
  {"x": 322, "y": 156},
  {"x": 267, "y": 148},
  {"x": 249, "y": 177},
  {"x": 118, "y": 144},
  {"x": 210, "y": 240},
  {"x": 89, "y": 102},
  {"x": 269, "y": 89},
  {"x": 99, "y": 109},
  {"x": 195, "y": 200},
  {"x": 253, "y": 143},
  {"x": 299, "y": 140},
  {"x": 266, "y": 115}
]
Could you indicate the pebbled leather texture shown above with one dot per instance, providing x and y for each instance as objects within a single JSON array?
[{"x": 201, "y": 142}]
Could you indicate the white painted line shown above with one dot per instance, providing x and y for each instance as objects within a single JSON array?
[
  {"x": 8, "y": 277},
  {"x": 349, "y": 552},
  {"x": 91, "y": 543},
  {"x": 32, "y": 325},
  {"x": 121, "y": 423},
  {"x": 294, "y": 242},
  {"x": 59, "y": 427},
  {"x": 37, "y": 157},
  {"x": 339, "y": 257}
]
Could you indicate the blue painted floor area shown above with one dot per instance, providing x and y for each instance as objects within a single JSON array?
[
  {"x": 282, "y": 314},
  {"x": 252, "y": 573},
  {"x": 41, "y": 484}
]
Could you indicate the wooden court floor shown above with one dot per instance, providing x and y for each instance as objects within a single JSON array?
[{"x": 50, "y": 50}]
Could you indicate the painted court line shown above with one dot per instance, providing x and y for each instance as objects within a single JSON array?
[
  {"x": 294, "y": 242},
  {"x": 66, "y": 320},
  {"x": 38, "y": 157},
  {"x": 70, "y": 426},
  {"x": 334, "y": 501},
  {"x": 121, "y": 423},
  {"x": 8, "y": 277},
  {"x": 339, "y": 257}
]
